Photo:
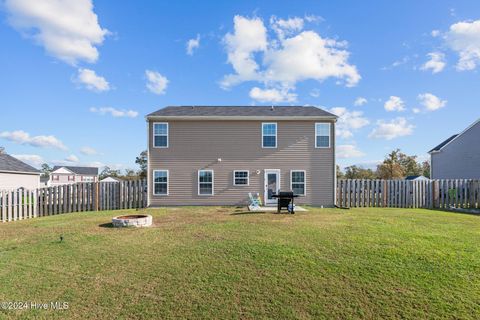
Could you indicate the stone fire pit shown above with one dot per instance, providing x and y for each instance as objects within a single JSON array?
[{"x": 132, "y": 220}]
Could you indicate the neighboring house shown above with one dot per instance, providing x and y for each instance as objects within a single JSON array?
[
  {"x": 16, "y": 174},
  {"x": 217, "y": 155},
  {"x": 70, "y": 175},
  {"x": 458, "y": 157},
  {"x": 416, "y": 178},
  {"x": 111, "y": 179}
]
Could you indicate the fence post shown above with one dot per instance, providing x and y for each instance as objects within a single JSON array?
[
  {"x": 385, "y": 193},
  {"x": 4, "y": 206},
  {"x": 96, "y": 196}
]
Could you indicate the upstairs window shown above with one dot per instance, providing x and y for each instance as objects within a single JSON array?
[
  {"x": 205, "y": 182},
  {"x": 269, "y": 135},
  {"x": 322, "y": 135},
  {"x": 160, "y": 182},
  {"x": 240, "y": 178},
  {"x": 160, "y": 135},
  {"x": 297, "y": 182}
]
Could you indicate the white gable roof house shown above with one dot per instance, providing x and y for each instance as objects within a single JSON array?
[
  {"x": 70, "y": 175},
  {"x": 15, "y": 174},
  {"x": 458, "y": 157}
]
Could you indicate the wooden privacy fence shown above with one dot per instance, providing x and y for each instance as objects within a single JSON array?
[
  {"x": 444, "y": 194},
  {"x": 93, "y": 196}
]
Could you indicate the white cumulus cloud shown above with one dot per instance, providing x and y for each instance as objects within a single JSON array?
[
  {"x": 272, "y": 95},
  {"x": 292, "y": 56},
  {"x": 32, "y": 159},
  {"x": 88, "y": 151},
  {"x": 344, "y": 151},
  {"x": 286, "y": 27},
  {"x": 92, "y": 81},
  {"x": 436, "y": 63},
  {"x": 193, "y": 44},
  {"x": 156, "y": 83},
  {"x": 394, "y": 103},
  {"x": 68, "y": 29},
  {"x": 464, "y": 38},
  {"x": 72, "y": 158},
  {"x": 249, "y": 36},
  {"x": 431, "y": 102},
  {"x": 348, "y": 121},
  {"x": 22, "y": 137},
  {"x": 116, "y": 113},
  {"x": 389, "y": 130},
  {"x": 360, "y": 101}
]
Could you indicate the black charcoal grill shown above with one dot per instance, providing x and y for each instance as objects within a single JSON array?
[{"x": 284, "y": 199}]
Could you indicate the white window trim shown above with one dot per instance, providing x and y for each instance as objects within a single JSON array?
[
  {"x": 168, "y": 183},
  {"x": 276, "y": 135},
  {"x": 304, "y": 181},
  {"x": 213, "y": 184},
  {"x": 248, "y": 178},
  {"x": 160, "y": 135},
  {"x": 329, "y": 135}
]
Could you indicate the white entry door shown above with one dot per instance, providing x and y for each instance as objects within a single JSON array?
[{"x": 272, "y": 185}]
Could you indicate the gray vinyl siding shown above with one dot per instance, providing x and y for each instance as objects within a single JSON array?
[
  {"x": 195, "y": 145},
  {"x": 460, "y": 159}
]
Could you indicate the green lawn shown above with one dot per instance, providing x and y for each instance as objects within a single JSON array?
[{"x": 223, "y": 263}]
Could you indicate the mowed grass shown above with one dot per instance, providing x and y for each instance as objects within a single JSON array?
[{"x": 223, "y": 263}]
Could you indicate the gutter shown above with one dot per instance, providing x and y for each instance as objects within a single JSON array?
[{"x": 20, "y": 172}]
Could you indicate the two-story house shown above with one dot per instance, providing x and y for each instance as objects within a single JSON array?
[
  {"x": 458, "y": 157},
  {"x": 209, "y": 155},
  {"x": 70, "y": 175}
]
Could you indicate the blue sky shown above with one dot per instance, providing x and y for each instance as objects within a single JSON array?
[{"x": 78, "y": 77}]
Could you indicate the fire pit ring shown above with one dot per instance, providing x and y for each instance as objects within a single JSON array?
[{"x": 132, "y": 220}]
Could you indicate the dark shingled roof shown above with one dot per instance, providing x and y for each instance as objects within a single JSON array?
[
  {"x": 241, "y": 111},
  {"x": 9, "y": 163},
  {"x": 441, "y": 145},
  {"x": 88, "y": 171}
]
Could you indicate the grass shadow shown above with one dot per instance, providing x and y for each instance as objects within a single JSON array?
[
  {"x": 106, "y": 225},
  {"x": 237, "y": 213},
  {"x": 459, "y": 211}
]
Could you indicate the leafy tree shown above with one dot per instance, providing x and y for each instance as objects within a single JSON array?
[
  {"x": 130, "y": 174},
  {"x": 46, "y": 170},
  {"x": 142, "y": 162},
  {"x": 355, "y": 172},
  {"x": 426, "y": 168},
  {"x": 391, "y": 167},
  {"x": 107, "y": 172},
  {"x": 409, "y": 164},
  {"x": 340, "y": 174}
]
